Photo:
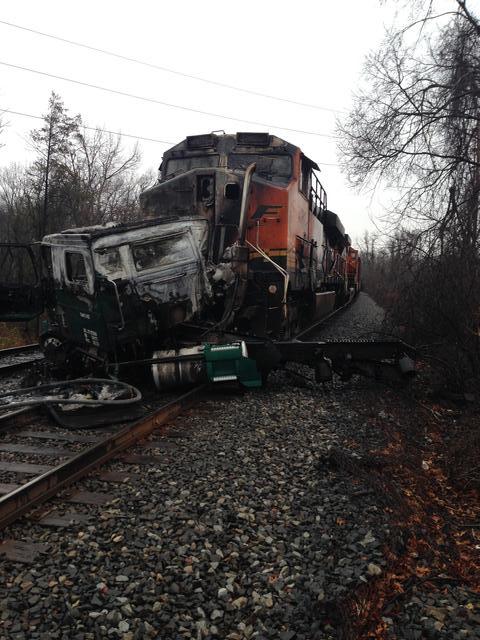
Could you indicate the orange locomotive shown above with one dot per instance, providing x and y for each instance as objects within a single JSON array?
[
  {"x": 354, "y": 264},
  {"x": 270, "y": 235}
]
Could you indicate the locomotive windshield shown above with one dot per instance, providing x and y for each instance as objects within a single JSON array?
[
  {"x": 181, "y": 165},
  {"x": 272, "y": 167}
]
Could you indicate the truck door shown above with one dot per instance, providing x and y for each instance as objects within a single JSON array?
[
  {"x": 75, "y": 298},
  {"x": 21, "y": 292}
]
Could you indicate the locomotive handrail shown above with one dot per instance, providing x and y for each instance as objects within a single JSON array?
[{"x": 242, "y": 223}]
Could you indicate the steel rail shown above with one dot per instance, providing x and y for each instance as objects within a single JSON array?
[
  {"x": 33, "y": 493},
  {"x": 325, "y": 319},
  {"x": 5, "y": 417},
  {"x": 15, "y": 366},
  {"x": 11, "y": 351}
]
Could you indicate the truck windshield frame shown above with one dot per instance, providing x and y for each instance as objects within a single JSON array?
[{"x": 163, "y": 252}]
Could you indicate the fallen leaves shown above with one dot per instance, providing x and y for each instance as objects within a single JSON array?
[{"x": 430, "y": 512}]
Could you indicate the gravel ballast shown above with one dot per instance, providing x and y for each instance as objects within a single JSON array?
[{"x": 252, "y": 523}]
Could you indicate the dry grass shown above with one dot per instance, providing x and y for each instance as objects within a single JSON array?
[{"x": 14, "y": 334}]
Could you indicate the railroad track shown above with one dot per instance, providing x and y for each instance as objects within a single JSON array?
[
  {"x": 321, "y": 323},
  {"x": 61, "y": 457},
  {"x": 10, "y": 351},
  {"x": 27, "y": 485},
  {"x": 16, "y": 358}
]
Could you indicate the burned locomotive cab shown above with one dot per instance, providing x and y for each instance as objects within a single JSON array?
[
  {"x": 204, "y": 176},
  {"x": 118, "y": 290},
  {"x": 279, "y": 234}
]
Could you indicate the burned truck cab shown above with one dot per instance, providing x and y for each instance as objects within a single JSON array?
[{"x": 116, "y": 291}]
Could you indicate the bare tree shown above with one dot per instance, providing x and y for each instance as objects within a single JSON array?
[
  {"x": 105, "y": 179},
  {"x": 78, "y": 178},
  {"x": 2, "y": 126},
  {"x": 415, "y": 127},
  {"x": 415, "y": 124},
  {"x": 19, "y": 198}
]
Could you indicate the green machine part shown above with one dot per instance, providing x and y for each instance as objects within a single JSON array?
[{"x": 227, "y": 362}]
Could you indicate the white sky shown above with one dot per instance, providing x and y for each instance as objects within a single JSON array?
[{"x": 309, "y": 51}]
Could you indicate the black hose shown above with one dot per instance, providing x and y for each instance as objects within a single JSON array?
[{"x": 136, "y": 395}]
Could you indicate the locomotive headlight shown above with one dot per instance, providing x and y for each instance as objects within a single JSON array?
[{"x": 272, "y": 289}]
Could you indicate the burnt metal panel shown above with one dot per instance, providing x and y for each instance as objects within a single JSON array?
[{"x": 87, "y": 234}]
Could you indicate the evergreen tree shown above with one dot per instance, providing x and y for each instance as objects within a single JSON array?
[{"x": 53, "y": 143}]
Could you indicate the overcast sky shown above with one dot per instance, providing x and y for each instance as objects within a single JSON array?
[{"x": 308, "y": 51}]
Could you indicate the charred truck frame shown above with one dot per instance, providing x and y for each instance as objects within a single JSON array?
[{"x": 237, "y": 241}]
